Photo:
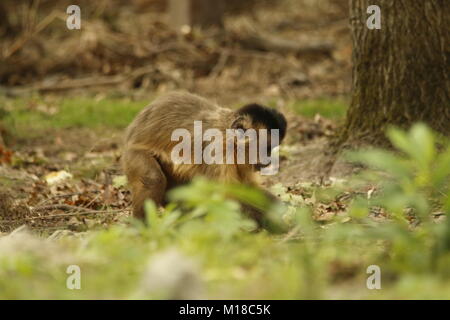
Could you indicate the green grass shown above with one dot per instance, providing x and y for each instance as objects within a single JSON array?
[
  {"x": 326, "y": 107},
  {"x": 28, "y": 116},
  {"x": 39, "y": 113}
]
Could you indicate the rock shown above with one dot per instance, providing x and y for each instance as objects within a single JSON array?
[
  {"x": 172, "y": 275},
  {"x": 57, "y": 177}
]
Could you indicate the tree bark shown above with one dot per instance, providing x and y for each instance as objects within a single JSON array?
[{"x": 401, "y": 71}]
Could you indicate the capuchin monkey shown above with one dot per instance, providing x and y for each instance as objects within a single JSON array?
[{"x": 155, "y": 161}]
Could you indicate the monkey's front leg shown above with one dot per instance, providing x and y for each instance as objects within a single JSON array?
[
  {"x": 146, "y": 179},
  {"x": 264, "y": 218}
]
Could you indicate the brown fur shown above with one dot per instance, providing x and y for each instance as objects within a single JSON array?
[{"x": 147, "y": 152}]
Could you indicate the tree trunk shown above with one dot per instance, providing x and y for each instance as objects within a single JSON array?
[
  {"x": 201, "y": 13},
  {"x": 401, "y": 71}
]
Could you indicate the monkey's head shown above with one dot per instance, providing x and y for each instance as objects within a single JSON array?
[{"x": 257, "y": 117}]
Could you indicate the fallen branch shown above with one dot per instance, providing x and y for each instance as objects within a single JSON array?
[
  {"x": 96, "y": 81},
  {"x": 82, "y": 83},
  {"x": 264, "y": 42}
]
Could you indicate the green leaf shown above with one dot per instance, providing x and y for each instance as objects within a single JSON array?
[
  {"x": 383, "y": 160},
  {"x": 119, "y": 181},
  {"x": 151, "y": 212}
]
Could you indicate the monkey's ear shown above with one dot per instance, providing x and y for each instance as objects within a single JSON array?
[{"x": 238, "y": 123}]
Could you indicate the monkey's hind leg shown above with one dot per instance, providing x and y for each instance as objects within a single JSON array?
[{"x": 146, "y": 179}]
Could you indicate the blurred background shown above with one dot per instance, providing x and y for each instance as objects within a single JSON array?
[{"x": 230, "y": 50}]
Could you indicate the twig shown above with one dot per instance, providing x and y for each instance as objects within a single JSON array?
[
  {"x": 21, "y": 41},
  {"x": 220, "y": 64},
  {"x": 93, "y": 200},
  {"x": 58, "y": 196},
  {"x": 66, "y": 215},
  {"x": 291, "y": 235},
  {"x": 58, "y": 206}
]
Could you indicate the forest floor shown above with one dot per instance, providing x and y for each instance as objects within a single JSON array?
[
  {"x": 64, "y": 173},
  {"x": 59, "y": 124},
  {"x": 62, "y": 180}
]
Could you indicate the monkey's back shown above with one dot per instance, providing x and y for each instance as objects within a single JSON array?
[{"x": 153, "y": 126}]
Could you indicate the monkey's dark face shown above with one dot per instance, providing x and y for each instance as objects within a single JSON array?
[
  {"x": 260, "y": 117},
  {"x": 257, "y": 117}
]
